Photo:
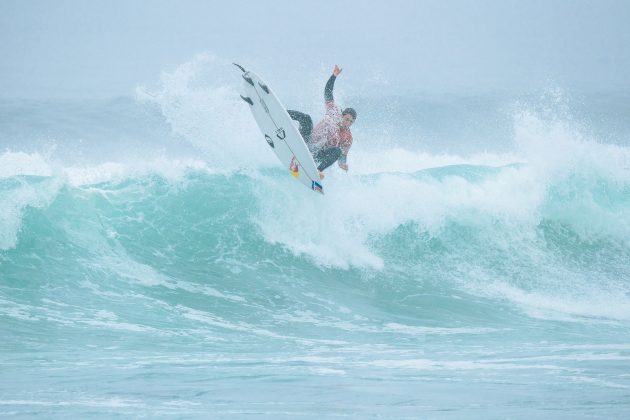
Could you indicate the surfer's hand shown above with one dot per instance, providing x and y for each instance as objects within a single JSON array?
[
  {"x": 344, "y": 166},
  {"x": 336, "y": 70}
]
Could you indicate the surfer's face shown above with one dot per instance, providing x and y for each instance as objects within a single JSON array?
[{"x": 346, "y": 120}]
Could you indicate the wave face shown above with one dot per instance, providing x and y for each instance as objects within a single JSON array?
[{"x": 153, "y": 263}]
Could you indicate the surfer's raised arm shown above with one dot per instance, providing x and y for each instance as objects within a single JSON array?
[{"x": 330, "y": 85}]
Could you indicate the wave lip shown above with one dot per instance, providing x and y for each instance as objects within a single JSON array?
[
  {"x": 18, "y": 195},
  {"x": 20, "y": 163}
]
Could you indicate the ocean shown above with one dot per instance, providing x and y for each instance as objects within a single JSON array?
[{"x": 157, "y": 262}]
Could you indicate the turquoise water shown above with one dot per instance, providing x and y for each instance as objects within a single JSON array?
[{"x": 152, "y": 265}]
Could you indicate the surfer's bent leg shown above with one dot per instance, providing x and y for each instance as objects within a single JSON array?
[
  {"x": 306, "y": 123},
  {"x": 326, "y": 157}
]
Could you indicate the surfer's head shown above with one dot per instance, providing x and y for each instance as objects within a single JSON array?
[{"x": 348, "y": 116}]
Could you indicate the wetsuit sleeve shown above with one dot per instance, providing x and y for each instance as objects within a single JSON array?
[{"x": 328, "y": 90}]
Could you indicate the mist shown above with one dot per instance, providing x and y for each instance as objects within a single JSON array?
[{"x": 106, "y": 49}]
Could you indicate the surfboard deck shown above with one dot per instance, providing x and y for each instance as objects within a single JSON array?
[{"x": 279, "y": 131}]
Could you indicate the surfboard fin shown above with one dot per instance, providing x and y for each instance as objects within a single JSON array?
[
  {"x": 247, "y": 99},
  {"x": 248, "y": 79},
  {"x": 263, "y": 87}
]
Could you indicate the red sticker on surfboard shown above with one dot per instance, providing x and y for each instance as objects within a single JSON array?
[{"x": 294, "y": 167}]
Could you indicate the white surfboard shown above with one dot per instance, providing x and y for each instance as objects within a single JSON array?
[{"x": 279, "y": 131}]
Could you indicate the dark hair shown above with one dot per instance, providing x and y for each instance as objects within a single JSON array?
[{"x": 350, "y": 111}]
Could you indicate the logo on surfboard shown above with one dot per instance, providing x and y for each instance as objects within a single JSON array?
[
  {"x": 294, "y": 167},
  {"x": 316, "y": 186}
]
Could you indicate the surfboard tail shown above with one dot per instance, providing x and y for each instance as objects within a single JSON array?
[{"x": 317, "y": 187}]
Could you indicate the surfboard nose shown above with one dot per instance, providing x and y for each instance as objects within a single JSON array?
[{"x": 240, "y": 67}]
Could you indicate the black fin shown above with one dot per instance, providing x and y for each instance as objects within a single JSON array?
[
  {"x": 240, "y": 67},
  {"x": 248, "y": 100},
  {"x": 263, "y": 87},
  {"x": 248, "y": 79}
]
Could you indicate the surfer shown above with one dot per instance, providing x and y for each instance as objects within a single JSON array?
[{"x": 331, "y": 139}]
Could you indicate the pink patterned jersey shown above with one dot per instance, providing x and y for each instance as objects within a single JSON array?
[{"x": 329, "y": 133}]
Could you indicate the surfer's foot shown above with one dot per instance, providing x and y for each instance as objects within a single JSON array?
[{"x": 321, "y": 175}]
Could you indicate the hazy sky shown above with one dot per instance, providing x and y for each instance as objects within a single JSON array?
[{"x": 106, "y": 48}]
